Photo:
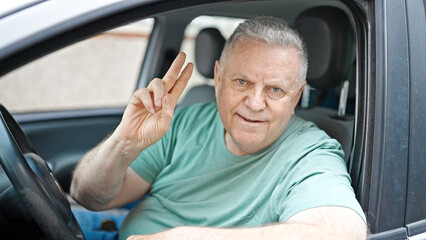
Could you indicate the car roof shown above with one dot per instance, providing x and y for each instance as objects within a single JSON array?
[
  {"x": 25, "y": 24},
  {"x": 43, "y": 20},
  {"x": 10, "y": 7}
]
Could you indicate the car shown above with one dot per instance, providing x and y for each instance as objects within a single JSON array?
[{"x": 68, "y": 68}]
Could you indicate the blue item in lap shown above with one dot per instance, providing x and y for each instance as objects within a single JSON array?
[{"x": 90, "y": 223}]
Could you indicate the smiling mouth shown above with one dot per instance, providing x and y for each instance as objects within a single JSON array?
[{"x": 248, "y": 120}]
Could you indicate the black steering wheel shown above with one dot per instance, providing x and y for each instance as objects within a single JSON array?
[{"x": 34, "y": 182}]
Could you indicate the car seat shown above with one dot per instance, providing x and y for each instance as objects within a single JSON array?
[
  {"x": 208, "y": 47},
  {"x": 330, "y": 42}
]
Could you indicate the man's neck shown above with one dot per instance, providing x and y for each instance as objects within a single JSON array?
[{"x": 233, "y": 147}]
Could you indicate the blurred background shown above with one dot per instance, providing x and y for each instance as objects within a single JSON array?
[{"x": 101, "y": 71}]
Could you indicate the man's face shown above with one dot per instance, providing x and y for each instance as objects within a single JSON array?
[{"x": 257, "y": 89}]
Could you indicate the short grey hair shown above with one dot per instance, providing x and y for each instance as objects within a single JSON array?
[{"x": 272, "y": 31}]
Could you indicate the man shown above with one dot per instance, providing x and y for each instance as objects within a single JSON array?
[{"x": 244, "y": 169}]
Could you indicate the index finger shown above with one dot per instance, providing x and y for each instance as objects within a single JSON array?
[
  {"x": 180, "y": 85},
  {"x": 172, "y": 74}
]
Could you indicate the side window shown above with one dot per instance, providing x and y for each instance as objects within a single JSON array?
[
  {"x": 101, "y": 71},
  {"x": 225, "y": 25}
]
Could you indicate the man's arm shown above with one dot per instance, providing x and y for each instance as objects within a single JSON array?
[
  {"x": 103, "y": 178},
  {"x": 316, "y": 223}
]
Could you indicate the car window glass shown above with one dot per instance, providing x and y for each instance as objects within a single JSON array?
[
  {"x": 225, "y": 25},
  {"x": 101, "y": 71}
]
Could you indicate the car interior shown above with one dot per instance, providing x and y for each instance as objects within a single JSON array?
[{"x": 330, "y": 100}]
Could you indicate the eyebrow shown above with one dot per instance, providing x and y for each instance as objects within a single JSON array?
[
  {"x": 285, "y": 84},
  {"x": 239, "y": 75}
]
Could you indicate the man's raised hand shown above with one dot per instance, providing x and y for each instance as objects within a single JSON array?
[{"x": 149, "y": 113}]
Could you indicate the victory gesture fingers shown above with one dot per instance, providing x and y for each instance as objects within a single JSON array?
[
  {"x": 171, "y": 83},
  {"x": 148, "y": 115}
]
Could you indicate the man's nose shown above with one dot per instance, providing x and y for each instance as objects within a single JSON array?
[{"x": 255, "y": 100}]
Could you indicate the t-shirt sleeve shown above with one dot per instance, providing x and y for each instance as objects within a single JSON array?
[
  {"x": 152, "y": 160},
  {"x": 319, "y": 179}
]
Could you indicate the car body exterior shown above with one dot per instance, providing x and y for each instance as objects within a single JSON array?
[{"x": 388, "y": 157}]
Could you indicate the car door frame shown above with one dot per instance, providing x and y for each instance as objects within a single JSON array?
[{"x": 391, "y": 160}]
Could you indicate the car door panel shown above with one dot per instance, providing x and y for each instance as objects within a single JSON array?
[
  {"x": 416, "y": 187},
  {"x": 62, "y": 138}
]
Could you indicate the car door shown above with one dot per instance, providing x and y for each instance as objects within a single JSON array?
[
  {"x": 69, "y": 100},
  {"x": 397, "y": 184},
  {"x": 390, "y": 119}
]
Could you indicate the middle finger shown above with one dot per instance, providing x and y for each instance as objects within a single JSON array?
[{"x": 157, "y": 87}]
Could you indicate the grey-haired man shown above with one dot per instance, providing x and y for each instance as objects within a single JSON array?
[{"x": 244, "y": 168}]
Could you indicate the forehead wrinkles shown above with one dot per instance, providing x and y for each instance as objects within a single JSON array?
[
  {"x": 290, "y": 67},
  {"x": 239, "y": 64}
]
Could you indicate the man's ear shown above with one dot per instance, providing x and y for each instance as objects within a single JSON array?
[
  {"x": 216, "y": 72},
  {"x": 216, "y": 76},
  {"x": 299, "y": 94}
]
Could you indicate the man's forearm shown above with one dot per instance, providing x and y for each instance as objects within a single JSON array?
[
  {"x": 315, "y": 223},
  {"x": 276, "y": 231},
  {"x": 99, "y": 176}
]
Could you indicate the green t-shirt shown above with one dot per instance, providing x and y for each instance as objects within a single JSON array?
[{"x": 196, "y": 181}]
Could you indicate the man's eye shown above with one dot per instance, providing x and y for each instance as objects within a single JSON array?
[
  {"x": 276, "y": 90},
  {"x": 241, "y": 81}
]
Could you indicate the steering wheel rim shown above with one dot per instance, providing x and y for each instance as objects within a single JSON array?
[{"x": 34, "y": 182}]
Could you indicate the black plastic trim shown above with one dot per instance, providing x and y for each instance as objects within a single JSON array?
[
  {"x": 361, "y": 16},
  {"x": 416, "y": 185},
  {"x": 416, "y": 228},
  {"x": 386, "y": 209},
  {"x": 394, "y": 234},
  {"x": 23, "y": 118},
  {"x": 152, "y": 52}
]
